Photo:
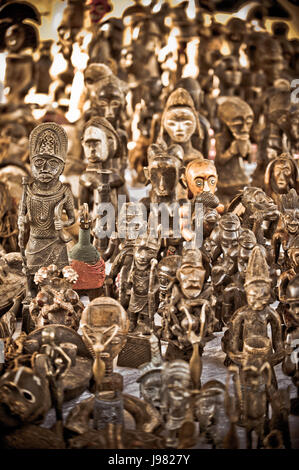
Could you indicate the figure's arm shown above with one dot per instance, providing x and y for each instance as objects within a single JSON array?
[
  {"x": 236, "y": 330},
  {"x": 275, "y": 323},
  {"x": 69, "y": 207}
]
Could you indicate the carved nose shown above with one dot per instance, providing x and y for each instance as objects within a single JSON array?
[{"x": 206, "y": 186}]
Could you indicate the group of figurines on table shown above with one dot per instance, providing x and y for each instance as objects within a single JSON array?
[{"x": 225, "y": 264}]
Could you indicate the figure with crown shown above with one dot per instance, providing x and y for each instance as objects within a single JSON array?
[{"x": 44, "y": 200}]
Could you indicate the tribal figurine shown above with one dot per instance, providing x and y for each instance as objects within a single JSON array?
[
  {"x": 233, "y": 146},
  {"x": 43, "y": 202},
  {"x": 253, "y": 319},
  {"x": 287, "y": 228},
  {"x": 191, "y": 306}
]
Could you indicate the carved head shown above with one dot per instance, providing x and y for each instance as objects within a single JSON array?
[
  {"x": 48, "y": 148},
  {"x": 191, "y": 274},
  {"x": 292, "y": 299},
  {"x": 179, "y": 119},
  {"x": 228, "y": 70},
  {"x": 104, "y": 320},
  {"x": 201, "y": 176},
  {"x": 71, "y": 23},
  {"x": 151, "y": 375},
  {"x": 24, "y": 397},
  {"x": 237, "y": 115},
  {"x": 257, "y": 280},
  {"x": 146, "y": 250},
  {"x": 290, "y": 211},
  {"x": 110, "y": 101},
  {"x": 164, "y": 168},
  {"x": 99, "y": 140},
  {"x": 176, "y": 383},
  {"x": 167, "y": 269},
  {"x": 281, "y": 174}
]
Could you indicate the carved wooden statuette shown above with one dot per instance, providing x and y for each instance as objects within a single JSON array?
[
  {"x": 141, "y": 291},
  {"x": 176, "y": 384},
  {"x": 104, "y": 321},
  {"x": 287, "y": 228},
  {"x": 166, "y": 269},
  {"x": 233, "y": 295},
  {"x": 54, "y": 363},
  {"x": 258, "y": 212},
  {"x": 201, "y": 179},
  {"x": 163, "y": 172},
  {"x": 18, "y": 33},
  {"x": 253, "y": 319},
  {"x": 191, "y": 306},
  {"x": 101, "y": 146},
  {"x": 233, "y": 146},
  {"x": 43, "y": 202},
  {"x": 252, "y": 387}
]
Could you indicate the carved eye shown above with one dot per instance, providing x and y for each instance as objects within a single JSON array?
[
  {"x": 212, "y": 181},
  {"x": 38, "y": 162},
  {"x": 28, "y": 396},
  {"x": 53, "y": 163},
  {"x": 199, "y": 182}
]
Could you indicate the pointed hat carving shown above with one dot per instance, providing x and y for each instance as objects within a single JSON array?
[{"x": 257, "y": 269}]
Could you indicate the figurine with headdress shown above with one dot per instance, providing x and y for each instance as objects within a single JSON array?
[
  {"x": 43, "y": 202},
  {"x": 254, "y": 318}
]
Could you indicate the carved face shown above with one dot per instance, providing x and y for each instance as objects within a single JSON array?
[
  {"x": 291, "y": 220},
  {"x": 105, "y": 320},
  {"x": 180, "y": 124},
  {"x": 201, "y": 176},
  {"x": 191, "y": 279},
  {"x": 150, "y": 388},
  {"x": 46, "y": 169},
  {"x": 95, "y": 145},
  {"x": 229, "y": 243},
  {"x": 163, "y": 176},
  {"x": 258, "y": 295},
  {"x": 176, "y": 387},
  {"x": 109, "y": 104},
  {"x": 165, "y": 281},
  {"x": 24, "y": 397},
  {"x": 282, "y": 174},
  {"x": 143, "y": 256},
  {"x": 232, "y": 74},
  {"x": 240, "y": 126},
  {"x": 207, "y": 410},
  {"x": 14, "y": 38}
]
